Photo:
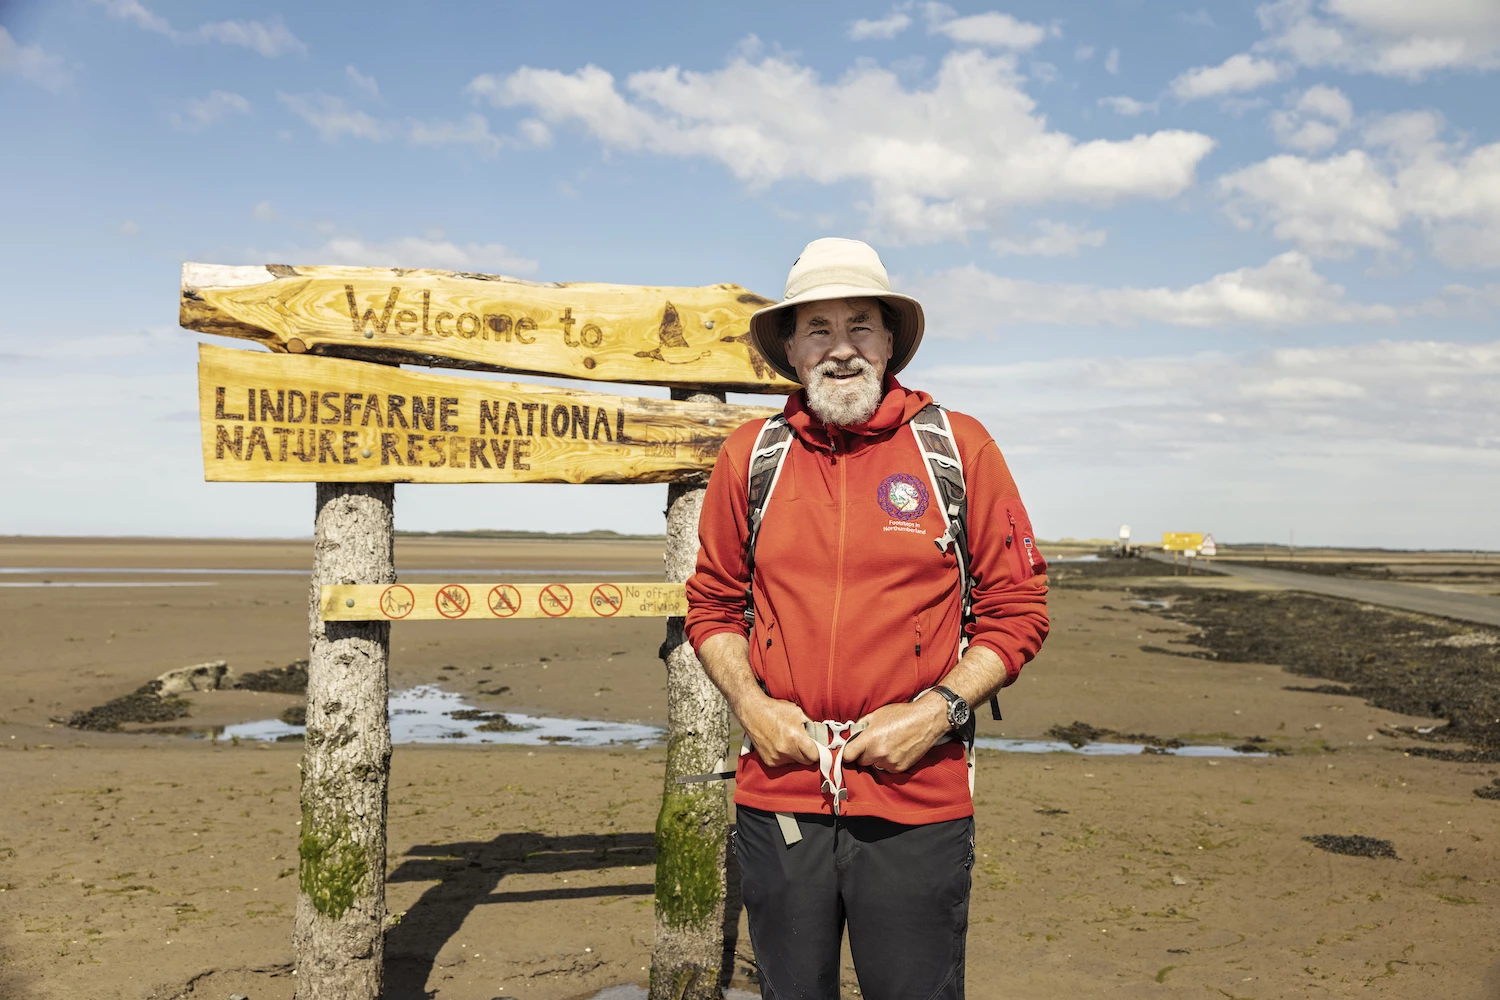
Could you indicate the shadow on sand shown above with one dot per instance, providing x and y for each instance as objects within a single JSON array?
[{"x": 468, "y": 874}]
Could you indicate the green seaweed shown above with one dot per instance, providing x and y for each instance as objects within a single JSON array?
[
  {"x": 688, "y": 886},
  {"x": 332, "y": 866}
]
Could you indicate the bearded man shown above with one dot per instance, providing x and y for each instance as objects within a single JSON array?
[{"x": 850, "y": 647}]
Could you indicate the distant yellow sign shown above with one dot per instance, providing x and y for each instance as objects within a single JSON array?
[
  {"x": 1181, "y": 541},
  {"x": 499, "y": 601}
]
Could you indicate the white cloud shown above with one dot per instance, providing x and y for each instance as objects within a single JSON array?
[
  {"x": 361, "y": 82},
  {"x": 991, "y": 29},
  {"x": 265, "y": 212},
  {"x": 1112, "y": 62},
  {"x": 270, "y": 38},
  {"x": 333, "y": 118},
  {"x": 129, "y": 228},
  {"x": 1128, "y": 107},
  {"x": 1399, "y": 38},
  {"x": 472, "y": 130},
  {"x": 940, "y": 160},
  {"x": 433, "y": 250},
  {"x": 1051, "y": 239},
  {"x": 32, "y": 64},
  {"x": 205, "y": 111},
  {"x": 1425, "y": 403},
  {"x": 1361, "y": 200},
  {"x": 1234, "y": 75},
  {"x": 883, "y": 28},
  {"x": 1286, "y": 291},
  {"x": 1083, "y": 53},
  {"x": 1314, "y": 121}
]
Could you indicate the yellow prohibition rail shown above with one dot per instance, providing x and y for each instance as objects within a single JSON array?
[{"x": 500, "y": 601}]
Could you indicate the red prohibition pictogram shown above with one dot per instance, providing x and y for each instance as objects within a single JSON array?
[
  {"x": 504, "y": 600},
  {"x": 555, "y": 600},
  {"x": 452, "y": 601},
  {"x": 397, "y": 601},
  {"x": 606, "y": 600}
]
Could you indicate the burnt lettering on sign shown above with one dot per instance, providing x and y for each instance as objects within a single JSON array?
[
  {"x": 423, "y": 412},
  {"x": 219, "y": 412}
]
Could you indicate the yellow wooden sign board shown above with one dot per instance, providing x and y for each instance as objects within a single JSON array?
[
  {"x": 500, "y": 601},
  {"x": 609, "y": 333},
  {"x": 1182, "y": 541},
  {"x": 292, "y": 419}
]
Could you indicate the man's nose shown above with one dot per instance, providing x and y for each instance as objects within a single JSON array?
[{"x": 842, "y": 348}]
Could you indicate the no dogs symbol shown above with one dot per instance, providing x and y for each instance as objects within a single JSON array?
[{"x": 397, "y": 601}]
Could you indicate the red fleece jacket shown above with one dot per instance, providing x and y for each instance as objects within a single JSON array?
[{"x": 855, "y": 607}]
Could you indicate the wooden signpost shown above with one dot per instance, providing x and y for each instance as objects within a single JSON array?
[
  {"x": 500, "y": 601},
  {"x": 281, "y": 418},
  {"x": 605, "y": 333},
  {"x": 328, "y": 405}
]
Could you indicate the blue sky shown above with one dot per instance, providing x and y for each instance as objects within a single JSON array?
[{"x": 1228, "y": 268}]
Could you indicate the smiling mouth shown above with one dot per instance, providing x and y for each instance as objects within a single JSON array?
[{"x": 843, "y": 376}]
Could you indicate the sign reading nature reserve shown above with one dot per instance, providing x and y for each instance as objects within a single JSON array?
[
  {"x": 285, "y": 418},
  {"x": 499, "y": 601},
  {"x": 608, "y": 333}
]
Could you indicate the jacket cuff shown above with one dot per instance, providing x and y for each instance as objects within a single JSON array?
[
  {"x": 703, "y": 633},
  {"x": 1012, "y": 668}
]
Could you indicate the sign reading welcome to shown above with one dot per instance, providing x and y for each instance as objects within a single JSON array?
[
  {"x": 609, "y": 333},
  {"x": 286, "y": 418}
]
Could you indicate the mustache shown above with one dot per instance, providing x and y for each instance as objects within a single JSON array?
[{"x": 854, "y": 366}]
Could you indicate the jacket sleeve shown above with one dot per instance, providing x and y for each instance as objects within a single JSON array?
[
  {"x": 1010, "y": 575},
  {"x": 716, "y": 590}
]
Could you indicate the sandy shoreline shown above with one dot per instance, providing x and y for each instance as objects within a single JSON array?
[{"x": 1123, "y": 876}]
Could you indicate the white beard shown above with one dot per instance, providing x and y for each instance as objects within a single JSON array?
[{"x": 846, "y": 402}]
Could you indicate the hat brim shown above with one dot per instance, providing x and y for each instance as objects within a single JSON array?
[{"x": 904, "y": 340}]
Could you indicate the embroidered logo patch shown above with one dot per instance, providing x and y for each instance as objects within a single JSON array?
[{"x": 902, "y": 497}]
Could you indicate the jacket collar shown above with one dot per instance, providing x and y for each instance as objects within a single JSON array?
[{"x": 898, "y": 406}]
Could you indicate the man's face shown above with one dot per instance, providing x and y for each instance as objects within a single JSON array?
[{"x": 840, "y": 349}]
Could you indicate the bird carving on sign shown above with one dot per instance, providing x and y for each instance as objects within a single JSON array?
[
  {"x": 757, "y": 360},
  {"x": 674, "y": 348}
]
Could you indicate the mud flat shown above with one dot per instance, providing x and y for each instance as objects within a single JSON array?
[{"x": 527, "y": 871}]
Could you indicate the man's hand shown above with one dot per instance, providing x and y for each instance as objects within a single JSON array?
[
  {"x": 900, "y": 735},
  {"x": 775, "y": 728}
]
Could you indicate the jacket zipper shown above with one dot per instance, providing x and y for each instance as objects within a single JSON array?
[{"x": 838, "y": 585}]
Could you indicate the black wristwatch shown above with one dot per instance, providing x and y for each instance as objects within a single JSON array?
[{"x": 958, "y": 709}]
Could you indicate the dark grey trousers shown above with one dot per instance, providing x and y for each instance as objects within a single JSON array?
[{"x": 903, "y": 891}]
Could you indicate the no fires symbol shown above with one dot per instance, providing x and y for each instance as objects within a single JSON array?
[{"x": 452, "y": 601}]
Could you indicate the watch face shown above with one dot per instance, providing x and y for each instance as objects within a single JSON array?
[{"x": 958, "y": 714}]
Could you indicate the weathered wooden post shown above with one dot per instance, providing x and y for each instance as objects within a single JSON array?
[
  {"x": 338, "y": 938},
  {"x": 314, "y": 410},
  {"x": 692, "y": 827}
]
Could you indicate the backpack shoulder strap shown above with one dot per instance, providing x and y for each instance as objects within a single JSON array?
[
  {"x": 945, "y": 468},
  {"x": 766, "y": 460}
]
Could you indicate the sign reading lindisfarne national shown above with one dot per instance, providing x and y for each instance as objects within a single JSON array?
[
  {"x": 279, "y": 418},
  {"x": 678, "y": 336}
]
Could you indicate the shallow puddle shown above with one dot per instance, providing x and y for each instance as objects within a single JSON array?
[
  {"x": 1100, "y": 749},
  {"x": 424, "y": 714}
]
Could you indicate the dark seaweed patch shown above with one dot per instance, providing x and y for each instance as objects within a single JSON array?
[
  {"x": 1081, "y": 733},
  {"x": 290, "y": 679},
  {"x": 1400, "y": 661},
  {"x": 144, "y": 704},
  {"x": 1353, "y": 845}
]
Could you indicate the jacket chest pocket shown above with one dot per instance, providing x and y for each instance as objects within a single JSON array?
[{"x": 768, "y": 658}]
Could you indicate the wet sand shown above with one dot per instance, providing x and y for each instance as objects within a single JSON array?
[{"x": 527, "y": 871}]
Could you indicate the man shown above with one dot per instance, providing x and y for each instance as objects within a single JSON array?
[{"x": 857, "y": 618}]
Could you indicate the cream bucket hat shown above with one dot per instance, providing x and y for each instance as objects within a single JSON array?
[{"x": 834, "y": 268}]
